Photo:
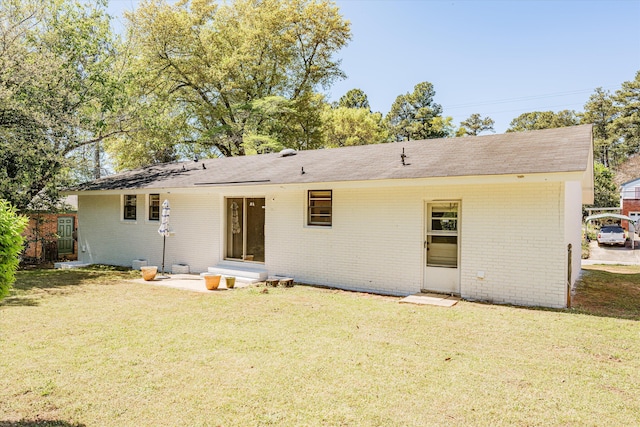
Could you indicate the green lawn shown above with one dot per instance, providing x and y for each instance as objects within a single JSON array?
[{"x": 89, "y": 348}]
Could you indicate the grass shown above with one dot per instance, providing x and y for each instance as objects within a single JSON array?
[
  {"x": 609, "y": 290},
  {"x": 87, "y": 347}
]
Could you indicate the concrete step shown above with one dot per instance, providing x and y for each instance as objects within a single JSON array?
[
  {"x": 70, "y": 264},
  {"x": 244, "y": 272}
]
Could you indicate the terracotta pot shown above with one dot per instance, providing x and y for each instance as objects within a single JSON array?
[
  {"x": 149, "y": 272},
  {"x": 212, "y": 281},
  {"x": 230, "y": 282}
]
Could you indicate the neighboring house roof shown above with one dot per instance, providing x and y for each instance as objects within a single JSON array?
[
  {"x": 561, "y": 150},
  {"x": 632, "y": 183},
  {"x": 68, "y": 203},
  {"x": 628, "y": 190}
]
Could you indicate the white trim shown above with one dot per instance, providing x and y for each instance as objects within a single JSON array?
[
  {"x": 382, "y": 183},
  {"x": 425, "y": 233}
]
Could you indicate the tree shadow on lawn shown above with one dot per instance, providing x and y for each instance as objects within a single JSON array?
[
  {"x": 31, "y": 285},
  {"x": 38, "y": 423},
  {"x": 608, "y": 291}
]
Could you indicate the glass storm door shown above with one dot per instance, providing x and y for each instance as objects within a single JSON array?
[
  {"x": 245, "y": 229},
  {"x": 441, "y": 245}
]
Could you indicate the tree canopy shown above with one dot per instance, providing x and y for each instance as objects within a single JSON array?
[
  {"x": 345, "y": 126},
  {"x": 600, "y": 111},
  {"x": 57, "y": 91},
  {"x": 474, "y": 125},
  {"x": 415, "y": 115},
  {"x": 626, "y": 125},
  {"x": 537, "y": 120},
  {"x": 239, "y": 73},
  {"x": 203, "y": 78},
  {"x": 355, "y": 98}
]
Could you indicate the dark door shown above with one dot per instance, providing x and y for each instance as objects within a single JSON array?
[
  {"x": 245, "y": 228},
  {"x": 65, "y": 235}
]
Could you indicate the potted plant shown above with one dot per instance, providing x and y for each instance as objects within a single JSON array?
[
  {"x": 230, "y": 281},
  {"x": 212, "y": 281},
  {"x": 149, "y": 272}
]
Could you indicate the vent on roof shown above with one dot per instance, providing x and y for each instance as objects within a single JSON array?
[{"x": 288, "y": 152}]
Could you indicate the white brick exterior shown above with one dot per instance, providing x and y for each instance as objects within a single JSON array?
[
  {"x": 515, "y": 233},
  {"x": 105, "y": 238}
]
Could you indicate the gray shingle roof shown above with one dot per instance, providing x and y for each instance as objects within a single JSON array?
[{"x": 544, "y": 151}]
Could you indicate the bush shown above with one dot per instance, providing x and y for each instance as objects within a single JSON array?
[{"x": 12, "y": 226}]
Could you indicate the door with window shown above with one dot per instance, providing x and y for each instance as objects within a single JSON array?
[
  {"x": 65, "y": 235},
  {"x": 441, "y": 246},
  {"x": 245, "y": 228}
]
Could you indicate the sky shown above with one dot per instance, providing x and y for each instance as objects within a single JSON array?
[{"x": 496, "y": 58}]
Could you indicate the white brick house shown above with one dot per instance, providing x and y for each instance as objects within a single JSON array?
[{"x": 488, "y": 218}]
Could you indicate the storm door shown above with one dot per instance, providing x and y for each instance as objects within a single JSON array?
[
  {"x": 441, "y": 244},
  {"x": 245, "y": 228}
]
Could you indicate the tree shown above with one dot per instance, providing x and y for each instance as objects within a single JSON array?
[
  {"x": 224, "y": 62},
  {"x": 475, "y": 125},
  {"x": 626, "y": 125},
  {"x": 11, "y": 228},
  {"x": 56, "y": 91},
  {"x": 605, "y": 190},
  {"x": 543, "y": 120},
  {"x": 600, "y": 111},
  {"x": 413, "y": 115},
  {"x": 355, "y": 98},
  {"x": 344, "y": 126}
]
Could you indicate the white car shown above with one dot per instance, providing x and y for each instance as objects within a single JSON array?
[{"x": 611, "y": 235}]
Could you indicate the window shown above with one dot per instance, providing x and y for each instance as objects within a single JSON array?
[
  {"x": 319, "y": 208},
  {"x": 442, "y": 234},
  {"x": 154, "y": 207},
  {"x": 130, "y": 206}
]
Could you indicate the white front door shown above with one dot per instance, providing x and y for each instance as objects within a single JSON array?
[{"x": 441, "y": 273}]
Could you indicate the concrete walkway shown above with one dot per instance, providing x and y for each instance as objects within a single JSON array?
[
  {"x": 612, "y": 255},
  {"x": 431, "y": 299},
  {"x": 188, "y": 282}
]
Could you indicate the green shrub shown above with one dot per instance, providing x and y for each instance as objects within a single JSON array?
[{"x": 12, "y": 226}]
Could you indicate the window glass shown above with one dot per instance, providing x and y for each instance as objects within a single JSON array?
[
  {"x": 154, "y": 207},
  {"x": 130, "y": 206},
  {"x": 319, "y": 207},
  {"x": 442, "y": 235}
]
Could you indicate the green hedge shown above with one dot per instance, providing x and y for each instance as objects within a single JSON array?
[{"x": 12, "y": 226}]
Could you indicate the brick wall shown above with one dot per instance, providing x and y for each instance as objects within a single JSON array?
[
  {"x": 105, "y": 238},
  {"x": 41, "y": 233},
  {"x": 629, "y": 205},
  {"x": 515, "y": 235}
]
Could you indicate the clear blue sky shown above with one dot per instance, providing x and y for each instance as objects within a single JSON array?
[{"x": 496, "y": 58}]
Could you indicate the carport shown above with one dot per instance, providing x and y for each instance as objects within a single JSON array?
[{"x": 633, "y": 226}]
